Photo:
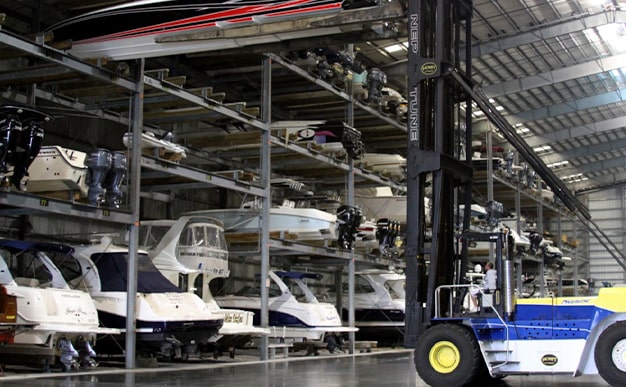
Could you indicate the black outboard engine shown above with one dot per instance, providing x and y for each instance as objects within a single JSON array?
[
  {"x": 28, "y": 148},
  {"x": 348, "y": 220},
  {"x": 10, "y": 129},
  {"x": 21, "y": 136},
  {"x": 376, "y": 79},
  {"x": 351, "y": 141},
  {"x": 98, "y": 164},
  {"x": 114, "y": 178},
  {"x": 495, "y": 210},
  {"x": 535, "y": 240}
]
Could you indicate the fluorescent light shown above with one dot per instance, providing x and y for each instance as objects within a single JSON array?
[{"x": 394, "y": 48}]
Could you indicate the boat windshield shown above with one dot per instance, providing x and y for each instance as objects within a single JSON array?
[
  {"x": 207, "y": 237},
  {"x": 150, "y": 236},
  {"x": 396, "y": 288},
  {"x": 32, "y": 268}
]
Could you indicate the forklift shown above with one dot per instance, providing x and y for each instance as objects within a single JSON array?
[{"x": 506, "y": 335}]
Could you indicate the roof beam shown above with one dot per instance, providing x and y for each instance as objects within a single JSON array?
[
  {"x": 584, "y": 151},
  {"x": 580, "y": 70},
  {"x": 568, "y": 26},
  {"x": 579, "y": 131},
  {"x": 615, "y": 96}
]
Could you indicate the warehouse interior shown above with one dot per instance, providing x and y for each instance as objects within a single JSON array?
[{"x": 312, "y": 110}]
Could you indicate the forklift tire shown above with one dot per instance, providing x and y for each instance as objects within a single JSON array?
[
  {"x": 448, "y": 355},
  {"x": 610, "y": 354}
]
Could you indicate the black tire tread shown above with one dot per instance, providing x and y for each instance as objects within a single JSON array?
[{"x": 471, "y": 357}]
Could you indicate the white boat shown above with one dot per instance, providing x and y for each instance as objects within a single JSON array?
[
  {"x": 294, "y": 311},
  {"x": 393, "y": 165},
  {"x": 149, "y": 140},
  {"x": 382, "y": 203},
  {"x": 379, "y": 305},
  {"x": 45, "y": 304},
  {"x": 190, "y": 252},
  {"x": 304, "y": 224},
  {"x": 58, "y": 169},
  {"x": 170, "y": 323}
]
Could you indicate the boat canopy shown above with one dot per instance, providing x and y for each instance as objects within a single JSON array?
[
  {"x": 298, "y": 274},
  {"x": 113, "y": 269}
]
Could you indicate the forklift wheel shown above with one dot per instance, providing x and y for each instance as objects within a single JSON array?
[
  {"x": 610, "y": 354},
  {"x": 447, "y": 355}
]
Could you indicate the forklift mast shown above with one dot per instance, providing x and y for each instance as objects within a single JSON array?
[{"x": 437, "y": 127}]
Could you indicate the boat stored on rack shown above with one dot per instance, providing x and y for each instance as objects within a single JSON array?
[
  {"x": 190, "y": 252},
  {"x": 294, "y": 311},
  {"x": 170, "y": 323}
]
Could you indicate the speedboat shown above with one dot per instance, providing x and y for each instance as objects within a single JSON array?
[
  {"x": 190, "y": 252},
  {"x": 379, "y": 305},
  {"x": 170, "y": 323},
  {"x": 302, "y": 224},
  {"x": 294, "y": 311},
  {"x": 162, "y": 145},
  {"x": 139, "y": 29},
  {"x": 58, "y": 169},
  {"x": 48, "y": 310}
]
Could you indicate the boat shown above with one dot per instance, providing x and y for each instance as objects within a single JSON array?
[
  {"x": 379, "y": 305},
  {"x": 163, "y": 146},
  {"x": 335, "y": 138},
  {"x": 294, "y": 311},
  {"x": 58, "y": 169},
  {"x": 392, "y": 165},
  {"x": 380, "y": 203},
  {"x": 302, "y": 224},
  {"x": 190, "y": 252},
  {"x": 140, "y": 29},
  {"x": 48, "y": 310},
  {"x": 170, "y": 323}
]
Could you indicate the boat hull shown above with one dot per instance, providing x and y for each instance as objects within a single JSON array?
[{"x": 306, "y": 224}]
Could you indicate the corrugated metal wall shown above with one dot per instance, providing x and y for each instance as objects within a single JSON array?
[{"x": 608, "y": 210}]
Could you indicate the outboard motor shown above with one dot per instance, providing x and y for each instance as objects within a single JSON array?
[
  {"x": 530, "y": 178},
  {"x": 114, "y": 178},
  {"x": 376, "y": 79},
  {"x": 351, "y": 141},
  {"x": 386, "y": 232},
  {"x": 85, "y": 353},
  {"x": 67, "y": 353},
  {"x": 348, "y": 220},
  {"x": 552, "y": 256},
  {"x": 10, "y": 129},
  {"x": 508, "y": 157},
  {"x": 28, "y": 148},
  {"x": 495, "y": 210},
  {"x": 535, "y": 240},
  {"x": 98, "y": 164}
]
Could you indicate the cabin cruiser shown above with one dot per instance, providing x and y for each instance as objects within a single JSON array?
[
  {"x": 294, "y": 311},
  {"x": 379, "y": 305},
  {"x": 190, "y": 252},
  {"x": 47, "y": 309},
  {"x": 140, "y": 29},
  {"x": 170, "y": 323}
]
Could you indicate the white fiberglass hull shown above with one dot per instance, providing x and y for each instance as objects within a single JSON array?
[
  {"x": 307, "y": 224},
  {"x": 290, "y": 318}
]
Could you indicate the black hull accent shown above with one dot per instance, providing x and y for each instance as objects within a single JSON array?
[{"x": 167, "y": 339}]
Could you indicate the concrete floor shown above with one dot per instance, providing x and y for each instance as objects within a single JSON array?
[{"x": 393, "y": 368}]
